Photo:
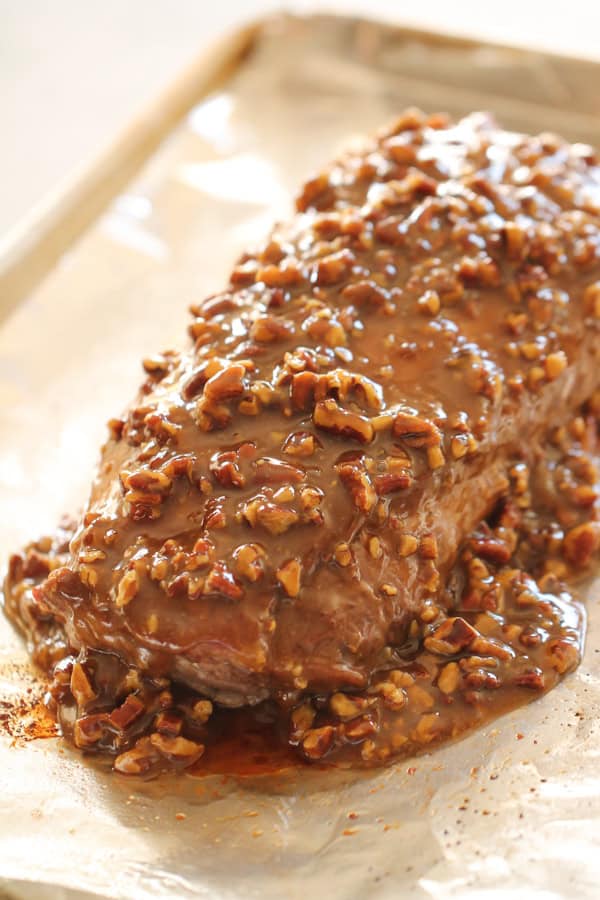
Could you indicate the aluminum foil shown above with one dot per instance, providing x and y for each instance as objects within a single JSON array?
[{"x": 511, "y": 811}]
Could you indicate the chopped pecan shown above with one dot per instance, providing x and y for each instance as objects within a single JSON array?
[
  {"x": 333, "y": 268},
  {"x": 428, "y": 547},
  {"x": 365, "y": 293},
  {"x": 564, "y": 655},
  {"x": 415, "y": 431},
  {"x": 81, "y": 686},
  {"x": 168, "y": 722},
  {"x": 591, "y": 299},
  {"x": 130, "y": 710},
  {"x": 331, "y": 417},
  {"x": 324, "y": 327},
  {"x": 303, "y": 388},
  {"x": 390, "y": 482},
  {"x": 249, "y": 561},
  {"x": 88, "y": 730},
  {"x": 288, "y": 576},
  {"x": 448, "y": 678},
  {"x": 581, "y": 543},
  {"x": 221, "y": 581},
  {"x": 146, "y": 480},
  {"x": 268, "y": 470},
  {"x": 357, "y": 730},
  {"x": 407, "y": 545},
  {"x": 341, "y": 384},
  {"x": 268, "y": 329},
  {"x": 128, "y": 588},
  {"x": 532, "y": 678},
  {"x": 201, "y": 711},
  {"x": 224, "y": 465},
  {"x": 302, "y": 718},
  {"x": 138, "y": 760},
  {"x": 357, "y": 482},
  {"x": 226, "y": 384},
  {"x": 429, "y": 303},
  {"x": 276, "y": 519},
  {"x": 318, "y": 741},
  {"x": 179, "y": 749},
  {"x": 301, "y": 443},
  {"x": 555, "y": 364},
  {"x": 451, "y": 636},
  {"x": 492, "y": 549},
  {"x": 342, "y": 554},
  {"x": 287, "y": 274},
  {"x": 317, "y": 193},
  {"x": 346, "y": 706}
]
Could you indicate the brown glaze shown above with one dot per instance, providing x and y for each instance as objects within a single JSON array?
[
  {"x": 288, "y": 497},
  {"x": 504, "y": 630}
]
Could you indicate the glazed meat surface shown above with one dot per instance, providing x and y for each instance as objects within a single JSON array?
[{"x": 282, "y": 498}]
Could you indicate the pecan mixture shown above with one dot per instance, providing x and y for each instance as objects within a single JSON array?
[{"x": 353, "y": 502}]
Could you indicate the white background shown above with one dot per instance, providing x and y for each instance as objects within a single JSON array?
[{"x": 74, "y": 72}]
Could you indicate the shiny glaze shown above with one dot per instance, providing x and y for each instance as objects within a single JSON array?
[{"x": 285, "y": 497}]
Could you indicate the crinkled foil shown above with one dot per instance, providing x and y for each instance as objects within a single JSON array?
[{"x": 513, "y": 811}]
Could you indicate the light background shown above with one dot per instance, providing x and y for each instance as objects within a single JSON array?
[{"x": 74, "y": 72}]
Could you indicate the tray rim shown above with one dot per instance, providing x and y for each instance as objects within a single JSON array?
[{"x": 35, "y": 244}]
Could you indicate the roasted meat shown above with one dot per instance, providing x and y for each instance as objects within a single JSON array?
[{"x": 284, "y": 495}]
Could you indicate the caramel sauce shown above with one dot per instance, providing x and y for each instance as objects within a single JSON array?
[{"x": 351, "y": 507}]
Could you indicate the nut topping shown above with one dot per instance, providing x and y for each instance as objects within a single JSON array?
[
  {"x": 288, "y": 576},
  {"x": 415, "y": 431},
  {"x": 331, "y": 417}
]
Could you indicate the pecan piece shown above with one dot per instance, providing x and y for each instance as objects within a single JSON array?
[
  {"x": 168, "y": 722},
  {"x": 268, "y": 470},
  {"x": 146, "y": 480},
  {"x": 365, "y": 293},
  {"x": 331, "y": 417},
  {"x": 415, "y": 431},
  {"x": 268, "y": 329},
  {"x": 345, "y": 706},
  {"x": 358, "y": 484},
  {"x": 318, "y": 742},
  {"x": 390, "y": 482},
  {"x": 300, "y": 443},
  {"x": 201, "y": 711},
  {"x": 138, "y": 760},
  {"x": 448, "y": 678},
  {"x": 288, "y": 274},
  {"x": 224, "y": 465},
  {"x": 302, "y": 719},
  {"x": 451, "y": 636},
  {"x": 128, "y": 588},
  {"x": 178, "y": 749},
  {"x": 276, "y": 519},
  {"x": 532, "y": 678},
  {"x": 564, "y": 655},
  {"x": 88, "y": 730},
  {"x": 358, "y": 730},
  {"x": 249, "y": 561},
  {"x": 130, "y": 710},
  {"x": 221, "y": 581},
  {"x": 581, "y": 543},
  {"x": 492, "y": 549},
  {"x": 81, "y": 686},
  {"x": 226, "y": 384},
  {"x": 333, "y": 268},
  {"x": 288, "y": 576},
  {"x": 303, "y": 388}
]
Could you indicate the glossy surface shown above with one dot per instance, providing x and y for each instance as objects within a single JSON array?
[
  {"x": 366, "y": 378},
  {"x": 285, "y": 500}
]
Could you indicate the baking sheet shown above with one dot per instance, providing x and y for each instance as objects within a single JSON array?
[{"x": 513, "y": 810}]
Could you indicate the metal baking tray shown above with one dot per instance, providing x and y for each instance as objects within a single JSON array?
[{"x": 103, "y": 276}]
